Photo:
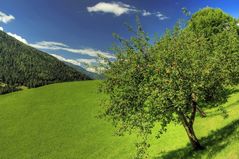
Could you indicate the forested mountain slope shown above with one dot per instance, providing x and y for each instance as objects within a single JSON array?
[{"x": 22, "y": 65}]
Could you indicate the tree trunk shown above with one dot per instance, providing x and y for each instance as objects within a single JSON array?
[
  {"x": 192, "y": 137},
  {"x": 188, "y": 122}
]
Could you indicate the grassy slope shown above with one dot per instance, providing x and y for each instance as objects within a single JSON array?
[{"x": 58, "y": 122}]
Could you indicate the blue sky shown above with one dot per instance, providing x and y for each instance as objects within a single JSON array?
[{"x": 76, "y": 30}]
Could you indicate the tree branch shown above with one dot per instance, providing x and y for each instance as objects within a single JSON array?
[
  {"x": 184, "y": 118},
  {"x": 202, "y": 113},
  {"x": 193, "y": 113}
]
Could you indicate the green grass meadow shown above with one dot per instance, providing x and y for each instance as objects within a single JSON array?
[{"x": 59, "y": 121}]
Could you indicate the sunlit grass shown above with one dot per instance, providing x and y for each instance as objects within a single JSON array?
[{"x": 59, "y": 122}]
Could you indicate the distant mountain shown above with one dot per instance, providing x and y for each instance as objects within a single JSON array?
[
  {"x": 92, "y": 75},
  {"x": 22, "y": 65}
]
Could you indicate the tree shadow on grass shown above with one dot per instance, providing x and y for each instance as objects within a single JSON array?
[
  {"x": 228, "y": 92},
  {"x": 216, "y": 113},
  {"x": 214, "y": 143}
]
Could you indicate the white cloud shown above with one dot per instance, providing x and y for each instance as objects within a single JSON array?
[
  {"x": 49, "y": 45},
  {"x": 87, "y": 61},
  {"x": 75, "y": 62},
  {"x": 18, "y": 37},
  {"x": 1, "y": 28},
  {"x": 119, "y": 8},
  {"x": 160, "y": 16},
  {"x": 79, "y": 62},
  {"x": 116, "y": 8},
  {"x": 90, "y": 52},
  {"x": 4, "y": 18},
  {"x": 92, "y": 69},
  {"x": 146, "y": 13}
]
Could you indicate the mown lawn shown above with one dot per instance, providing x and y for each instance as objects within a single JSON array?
[{"x": 59, "y": 122}]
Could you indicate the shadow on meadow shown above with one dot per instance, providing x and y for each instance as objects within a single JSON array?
[
  {"x": 215, "y": 142},
  {"x": 229, "y": 92},
  {"x": 216, "y": 113}
]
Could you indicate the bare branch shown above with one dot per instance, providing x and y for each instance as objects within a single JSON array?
[{"x": 202, "y": 113}]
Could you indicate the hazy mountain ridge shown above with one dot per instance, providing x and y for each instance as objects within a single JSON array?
[{"x": 92, "y": 75}]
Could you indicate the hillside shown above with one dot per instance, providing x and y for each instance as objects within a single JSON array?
[
  {"x": 22, "y": 65},
  {"x": 58, "y": 121}
]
